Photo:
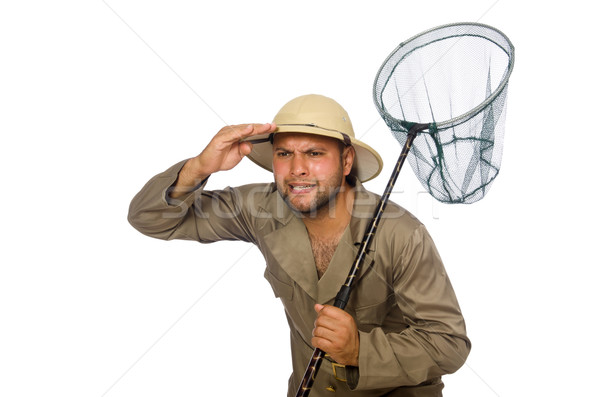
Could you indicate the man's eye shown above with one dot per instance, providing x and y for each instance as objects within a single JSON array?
[
  {"x": 315, "y": 154},
  {"x": 282, "y": 154}
]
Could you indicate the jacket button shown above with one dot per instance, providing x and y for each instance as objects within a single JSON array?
[{"x": 330, "y": 388}]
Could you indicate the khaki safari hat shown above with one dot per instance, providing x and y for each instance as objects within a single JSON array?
[{"x": 319, "y": 115}]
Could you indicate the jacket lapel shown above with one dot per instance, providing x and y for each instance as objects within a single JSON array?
[{"x": 290, "y": 246}]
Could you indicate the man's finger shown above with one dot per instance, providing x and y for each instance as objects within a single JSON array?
[
  {"x": 331, "y": 311},
  {"x": 260, "y": 129},
  {"x": 256, "y": 129},
  {"x": 245, "y": 148}
]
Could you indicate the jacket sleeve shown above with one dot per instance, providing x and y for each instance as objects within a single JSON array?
[
  {"x": 434, "y": 341},
  {"x": 204, "y": 216}
]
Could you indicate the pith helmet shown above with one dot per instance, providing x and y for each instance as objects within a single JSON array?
[{"x": 319, "y": 115}]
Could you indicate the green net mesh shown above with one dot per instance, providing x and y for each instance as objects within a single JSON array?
[{"x": 454, "y": 78}]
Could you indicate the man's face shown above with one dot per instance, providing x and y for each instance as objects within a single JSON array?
[{"x": 309, "y": 170}]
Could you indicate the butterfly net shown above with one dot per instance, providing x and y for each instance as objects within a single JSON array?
[{"x": 455, "y": 79}]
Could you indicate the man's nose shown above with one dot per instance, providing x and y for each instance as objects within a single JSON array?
[{"x": 299, "y": 167}]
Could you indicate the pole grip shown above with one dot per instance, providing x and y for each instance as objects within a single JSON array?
[{"x": 310, "y": 373}]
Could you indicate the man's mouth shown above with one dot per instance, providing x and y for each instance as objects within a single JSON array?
[{"x": 301, "y": 188}]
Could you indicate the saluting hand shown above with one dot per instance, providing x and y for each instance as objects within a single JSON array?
[
  {"x": 336, "y": 333},
  {"x": 223, "y": 152}
]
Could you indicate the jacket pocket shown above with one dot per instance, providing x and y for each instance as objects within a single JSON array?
[
  {"x": 375, "y": 314},
  {"x": 281, "y": 289}
]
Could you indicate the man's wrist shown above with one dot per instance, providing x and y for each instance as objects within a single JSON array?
[{"x": 187, "y": 180}]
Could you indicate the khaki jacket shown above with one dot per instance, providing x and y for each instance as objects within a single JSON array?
[{"x": 410, "y": 326}]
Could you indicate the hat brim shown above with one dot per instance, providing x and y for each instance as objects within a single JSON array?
[{"x": 367, "y": 162}]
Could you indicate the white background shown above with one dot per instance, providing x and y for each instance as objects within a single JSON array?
[{"x": 98, "y": 96}]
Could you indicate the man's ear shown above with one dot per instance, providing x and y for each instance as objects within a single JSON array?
[{"x": 348, "y": 159}]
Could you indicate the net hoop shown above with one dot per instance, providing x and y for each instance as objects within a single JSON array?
[{"x": 506, "y": 46}]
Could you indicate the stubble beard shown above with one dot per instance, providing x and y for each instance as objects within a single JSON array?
[{"x": 323, "y": 200}]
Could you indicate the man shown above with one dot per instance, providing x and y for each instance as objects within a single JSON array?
[{"x": 402, "y": 328}]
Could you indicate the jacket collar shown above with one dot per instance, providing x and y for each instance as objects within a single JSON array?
[{"x": 291, "y": 248}]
